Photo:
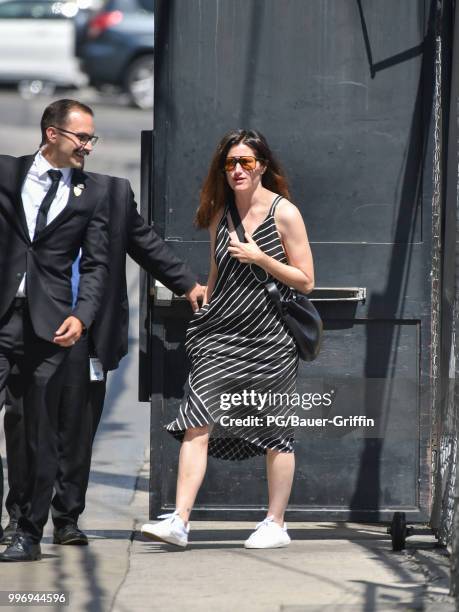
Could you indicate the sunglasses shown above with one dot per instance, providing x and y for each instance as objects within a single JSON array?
[{"x": 247, "y": 162}]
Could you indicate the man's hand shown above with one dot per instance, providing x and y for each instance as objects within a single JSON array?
[
  {"x": 194, "y": 294},
  {"x": 69, "y": 332}
]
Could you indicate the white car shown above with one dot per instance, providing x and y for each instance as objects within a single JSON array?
[{"x": 37, "y": 42}]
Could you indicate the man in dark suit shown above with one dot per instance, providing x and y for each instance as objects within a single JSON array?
[
  {"x": 107, "y": 340},
  {"x": 49, "y": 211}
]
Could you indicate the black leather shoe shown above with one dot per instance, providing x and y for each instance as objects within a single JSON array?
[
  {"x": 9, "y": 532},
  {"x": 70, "y": 534},
  {"x": 22, "y": 548}
]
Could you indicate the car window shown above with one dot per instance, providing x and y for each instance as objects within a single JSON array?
[
  {"x": 146, "y": 5},
  {"x": 130, "y": 6},
  {"x": 23, "y": 9}
]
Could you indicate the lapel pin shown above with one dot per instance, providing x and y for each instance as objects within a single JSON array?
[{"x": 78, "y": 189}]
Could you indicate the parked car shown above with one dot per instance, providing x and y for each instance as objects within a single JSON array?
[
  {"x": 116, "y": 48},
  {"x": 37, "y": 42}
]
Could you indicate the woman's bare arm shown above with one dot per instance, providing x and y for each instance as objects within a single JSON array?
[{"x": 299, "y": 272}]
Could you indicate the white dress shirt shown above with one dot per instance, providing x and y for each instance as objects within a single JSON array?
[{"x": 35, "y": 187}]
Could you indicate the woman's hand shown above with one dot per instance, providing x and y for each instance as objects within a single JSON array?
[{"x": 246, "y": 252}]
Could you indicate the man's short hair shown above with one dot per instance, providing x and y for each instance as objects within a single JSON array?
[{"x": 57, "y": 113}]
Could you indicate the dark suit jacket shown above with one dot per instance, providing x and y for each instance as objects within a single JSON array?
[
  {"x": 130, "y": 234},
  {"x": 47, "y": 260}
]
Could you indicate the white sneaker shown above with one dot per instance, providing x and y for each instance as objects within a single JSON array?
[
  {"x": 268, "y": 534},
  {"x": 171, "y": 530}
]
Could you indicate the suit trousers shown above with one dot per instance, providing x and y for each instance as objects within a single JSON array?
[
  {"x": 40, "y": 365},
  {"x": 78, "y": 416}
]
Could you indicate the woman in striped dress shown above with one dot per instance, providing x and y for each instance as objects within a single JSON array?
[{"x": 243, "y": 358}]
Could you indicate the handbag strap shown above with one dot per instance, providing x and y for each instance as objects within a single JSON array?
[
  {"x": 236, "y": 217},
  {"x": 274, "y": 295},
  {"x": 270, "y": 286},
  {"x": 240, "y": 232}
]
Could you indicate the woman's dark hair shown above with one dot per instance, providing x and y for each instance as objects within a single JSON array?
[
  {"x": 57, "y": 114},
  {"x": 216, "y": 191}
]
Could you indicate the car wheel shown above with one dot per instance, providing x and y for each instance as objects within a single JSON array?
[{"x": 139, "y": 82}]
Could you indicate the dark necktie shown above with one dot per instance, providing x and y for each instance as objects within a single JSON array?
[{"x": 42, "y": 215}]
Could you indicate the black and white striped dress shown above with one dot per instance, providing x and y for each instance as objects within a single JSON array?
[{"x": 238, "y": 342}]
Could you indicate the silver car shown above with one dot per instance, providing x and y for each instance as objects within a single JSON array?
[{"x": 37, "y": 42}]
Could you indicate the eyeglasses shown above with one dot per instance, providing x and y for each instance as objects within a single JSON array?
[
  {"x": 83, "y": 138},
  {"x": 247, "y": 162}
]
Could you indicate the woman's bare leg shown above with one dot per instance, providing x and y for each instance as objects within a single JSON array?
[
  {"x": 191, "y": 469},
  {"x": 280, "y": 469}
]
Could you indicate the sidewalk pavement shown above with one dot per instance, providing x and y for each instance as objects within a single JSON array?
[{"x": 328, "y": 566}]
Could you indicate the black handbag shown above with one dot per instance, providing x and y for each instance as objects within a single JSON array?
[{"x": 297, "y": 312}]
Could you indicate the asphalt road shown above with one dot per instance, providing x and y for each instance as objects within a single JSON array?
[{"x": 123, "y": 435}]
